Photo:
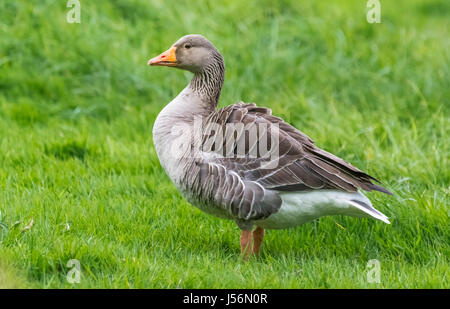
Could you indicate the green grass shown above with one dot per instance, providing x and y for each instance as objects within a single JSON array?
[{"x": 77, "y": 104}]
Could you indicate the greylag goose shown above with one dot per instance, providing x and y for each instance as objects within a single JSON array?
[{"x": 244, "y": 164}]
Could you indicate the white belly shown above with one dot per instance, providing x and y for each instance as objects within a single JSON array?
[{"x": 298, "y": 208}]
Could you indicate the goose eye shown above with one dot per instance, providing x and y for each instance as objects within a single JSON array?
[{"x": 187, "y": 46}]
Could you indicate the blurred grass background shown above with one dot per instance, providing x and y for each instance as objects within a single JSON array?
[{"x": 77, "y": 104}]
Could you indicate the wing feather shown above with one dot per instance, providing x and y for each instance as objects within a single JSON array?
[{"x": 248, "y": 191}]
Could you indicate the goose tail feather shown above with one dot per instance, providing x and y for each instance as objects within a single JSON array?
[{"x": 370, "y": 210}]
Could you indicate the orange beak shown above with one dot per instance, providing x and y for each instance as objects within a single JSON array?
[{"x": 167, "y": 58}]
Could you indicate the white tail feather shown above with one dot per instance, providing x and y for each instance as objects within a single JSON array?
[{"x": 370, "y": 211}]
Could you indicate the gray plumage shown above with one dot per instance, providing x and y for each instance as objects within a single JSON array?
[{"x": 237, "y": 187}]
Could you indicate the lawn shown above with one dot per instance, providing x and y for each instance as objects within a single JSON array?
[{"x": 80, "y": 179}]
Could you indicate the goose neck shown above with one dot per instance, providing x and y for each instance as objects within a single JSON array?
[{"x": 208, "y": 82}]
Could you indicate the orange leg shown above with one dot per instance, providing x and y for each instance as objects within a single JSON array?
[
  {"x": 246, "y": 243},
  {"x": 258, "y": 235}
]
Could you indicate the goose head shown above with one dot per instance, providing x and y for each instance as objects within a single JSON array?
[{"x": 192, "y": 52}]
